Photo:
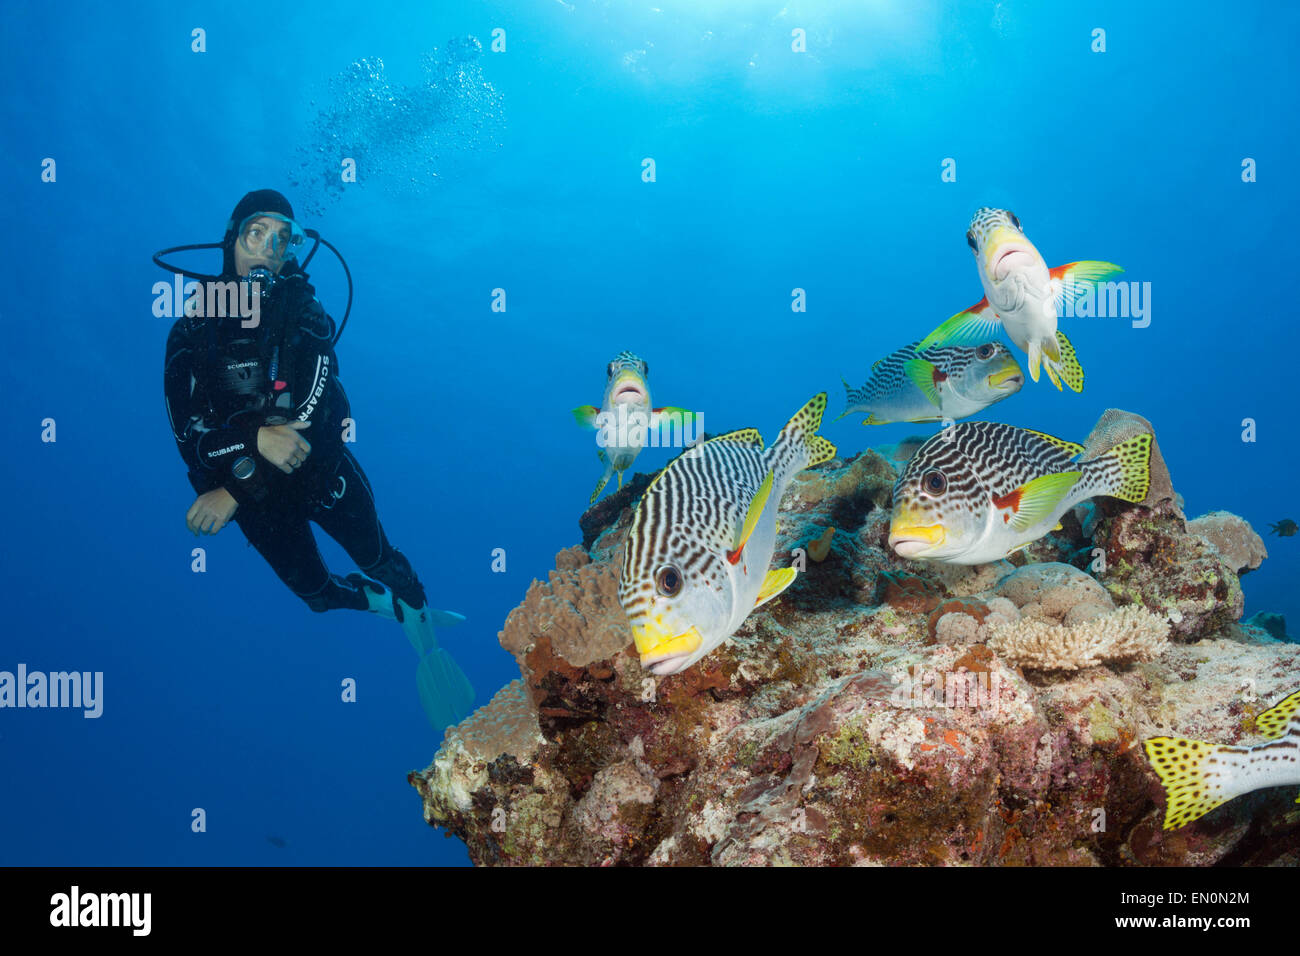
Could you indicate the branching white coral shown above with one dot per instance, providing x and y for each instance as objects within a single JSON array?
[{"x": 1129, "y": 634}]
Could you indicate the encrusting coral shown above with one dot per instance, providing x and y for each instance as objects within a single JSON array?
[{"x": 880, "y": 711}]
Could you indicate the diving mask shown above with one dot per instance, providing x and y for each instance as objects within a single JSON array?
[{"x": 272, "y": 236}]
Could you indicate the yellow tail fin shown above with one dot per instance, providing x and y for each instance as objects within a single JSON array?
[
  {"x": 1134, "y": 458},
  {"x": 1185, "y": 770},
  {"x": 1069, "y": 368}
]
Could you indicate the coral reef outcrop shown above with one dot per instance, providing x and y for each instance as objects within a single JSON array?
[
  {"x": 883, "y": 711},
  {"x": 1234, "y": 539}
]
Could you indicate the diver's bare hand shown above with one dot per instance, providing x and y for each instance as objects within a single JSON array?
[
  {"x": 211, "y": 511},
  {"x": 282, "y": 446}
]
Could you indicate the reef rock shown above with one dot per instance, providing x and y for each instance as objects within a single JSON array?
[
  {"x": 1233, "y": 537},
  {"x": 1273, "y": 624},
  {"x": 1116, "y": 426},
  {"x": 1151, "y": 559},
  {"x": 880, "y": 711}
]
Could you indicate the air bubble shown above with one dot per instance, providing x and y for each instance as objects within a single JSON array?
[{"x": 398, "y": 134}]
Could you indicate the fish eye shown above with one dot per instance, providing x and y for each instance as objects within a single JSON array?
[
  {"x": 970, "y": 240},
  {"x": 933, "y": 482},
  {"x": 609, "y": 369},
  {"x": 645, "y": 366},
  {"x": 984, "y": 352},
  {"x": 1014, "y": 221},
  {"x": 668, "y": 581}
]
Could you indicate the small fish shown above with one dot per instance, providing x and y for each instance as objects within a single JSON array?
[
  {"x": 1022, "y": 295},
  {"x": 979, "y": 491},
  {"x": 1284, "y": 528},
  {"x": 698, "y": 550},
  {"x": 1199, "y": 776},
  {"x": 625, "y": 418},
  {"x": 942, "y": 382}
]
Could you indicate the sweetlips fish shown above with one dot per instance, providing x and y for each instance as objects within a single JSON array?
[
  {"x": 625, "y": 421},
  {"x": 1022, "y": 295},
  {"x": 931, "y": 385},
  {"x": 979, "y": 491},
  {"x": 697, "y": 553},
  {"x": 1199, "y": 776}
]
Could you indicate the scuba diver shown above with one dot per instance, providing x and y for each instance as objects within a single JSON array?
[{"x": 258, "y": 414}]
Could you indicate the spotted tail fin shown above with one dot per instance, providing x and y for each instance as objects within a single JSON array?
[
  {"x": 1124, "y": 472},
  {"x": 1280, "y": 718},
  {"x": 1196, "y": 776},
  {"x": 799, "y": 446},
  {"x": 1066, "y": 365}
]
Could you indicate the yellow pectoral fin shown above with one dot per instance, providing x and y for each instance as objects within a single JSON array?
[
  {"x": 1034, "y": 501},
  {"x": 922, "y": 375},
  {"x": 671, "y": 416},
  {"x": 751, "y": 517},
  {"x": 977, "y": 324},
  {"x": 585, "y": 415},
  {"x": 774, "y": 582}
]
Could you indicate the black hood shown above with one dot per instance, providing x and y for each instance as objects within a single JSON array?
[{"x": 259, "y": 200}]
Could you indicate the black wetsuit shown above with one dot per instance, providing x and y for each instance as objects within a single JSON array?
[{"x": 222, "y": 383}]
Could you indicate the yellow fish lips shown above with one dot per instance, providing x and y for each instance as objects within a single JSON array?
[
  {"x": 1009, "y": 374},
  {"x": 1003, "y": 249},
  {"x": 910, "y": 540},
  {"x": 629, "y": 387},
  {"x": 662, "y": 651}
]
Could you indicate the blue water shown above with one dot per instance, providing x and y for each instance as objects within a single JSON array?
[{"x": 775, "y": 171}]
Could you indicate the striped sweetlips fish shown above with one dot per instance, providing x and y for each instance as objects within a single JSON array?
[
  {"x": 1022, "y": 295},
  {"x": 942, "y": 382},
  {"x": 979, "y": 491},
  {"x": 625, "y": 419},
  {"x": 698, "y": 550}
]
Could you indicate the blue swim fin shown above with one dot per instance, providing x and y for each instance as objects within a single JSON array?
[
  {"x": 419, "y": 623},
  {"x": 445, "y": 691}
]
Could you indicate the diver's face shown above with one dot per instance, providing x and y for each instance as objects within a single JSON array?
[{"x": 261, "y": 244}]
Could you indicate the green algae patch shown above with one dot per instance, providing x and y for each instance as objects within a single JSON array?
[{"x": 848, "y": 747}]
